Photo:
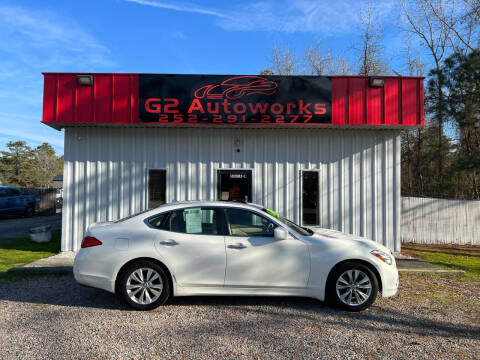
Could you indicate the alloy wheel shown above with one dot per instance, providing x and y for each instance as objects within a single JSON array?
[
  {"x": 144, "y": 286},
  {"x": 353, "y": 287}
]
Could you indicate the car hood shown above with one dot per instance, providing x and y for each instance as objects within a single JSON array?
[{"x": 323, "y": 237}]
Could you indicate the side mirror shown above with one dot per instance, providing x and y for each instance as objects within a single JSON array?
[{"x": 280, "y": 233}]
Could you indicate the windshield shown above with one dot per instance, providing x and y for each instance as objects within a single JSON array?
[{"x": 300, "y": 229}]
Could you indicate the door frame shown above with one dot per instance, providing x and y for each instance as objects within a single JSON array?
[
  {"x": 300, "y": 210},
  {"x": 218, "y": 182},
  {"x": 147, "y": 183}
]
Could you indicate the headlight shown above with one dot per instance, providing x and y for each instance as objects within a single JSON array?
[{"x": 386, "y": 258}]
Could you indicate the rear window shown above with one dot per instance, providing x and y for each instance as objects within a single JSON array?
[
  {"x": 136, "y": 214},
  {"x": 158, "y": 220}
]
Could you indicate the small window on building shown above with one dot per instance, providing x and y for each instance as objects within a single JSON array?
[{"x": 157, "y": 187}]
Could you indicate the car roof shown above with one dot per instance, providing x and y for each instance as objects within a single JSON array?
[
  {"x": 186, "y": 203},
  {"x": 211, "y": 203}
]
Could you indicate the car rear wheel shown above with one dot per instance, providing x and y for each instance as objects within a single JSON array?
[
  {"x": 144, "y": 285},
  {"x": 29, "y": 211},
  {"x": 352, "y": 287}
]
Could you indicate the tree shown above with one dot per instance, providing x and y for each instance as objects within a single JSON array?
[
  {"x": 436, "y": 38},
  {"x": 267, "y": 72},
  {"x": 284, "y": 61},
  {"x": 370, "y": 49},
  {"x": 463, "y": 23},
  {"x": 461, "y": 73},
  {"x": 47, "y": 165},
  {"x": 320, "y": 62},
  {"x": 16, "y": 164},
  {"x": 25, "y": 167},
  {"x": 414, "y": 141}
]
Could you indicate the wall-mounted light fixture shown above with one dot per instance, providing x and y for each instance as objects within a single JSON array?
[
  {"x": 85, "y": 80},
  {"x": 377, "y": 82}
]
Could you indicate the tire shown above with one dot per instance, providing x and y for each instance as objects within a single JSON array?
[
  {"x": 149, "y": 294},
  {"x": 29, "y": 211},
  {"x": 355, "y": 279}
]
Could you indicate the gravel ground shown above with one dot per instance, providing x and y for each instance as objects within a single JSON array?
[{"x": 52, "y": 317}]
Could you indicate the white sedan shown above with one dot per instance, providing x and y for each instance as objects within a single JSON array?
[{"x": 229, "y": 248}]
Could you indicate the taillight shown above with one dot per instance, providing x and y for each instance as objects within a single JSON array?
[{"x": 89, "y": 241}]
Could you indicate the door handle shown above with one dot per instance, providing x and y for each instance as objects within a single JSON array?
[
  {"x": 168, "y": 242},
  {"x": 237, "y": 246}
]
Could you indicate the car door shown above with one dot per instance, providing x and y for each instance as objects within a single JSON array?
[
  {"x": 256, "y": 259},
  {"x": 3, "y": 201},
  {"x": 192, "y": 242},
  {"x": 15, "y": 200}
]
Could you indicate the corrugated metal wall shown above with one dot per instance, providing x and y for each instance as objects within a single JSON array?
[
  {"x": 105, "y": 174},
  {"x": 440, "y": 221}
]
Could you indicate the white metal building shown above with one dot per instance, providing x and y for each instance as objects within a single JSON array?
[{"x": 338, "y": 176}]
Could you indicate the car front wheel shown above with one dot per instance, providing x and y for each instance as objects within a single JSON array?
[
  {"x": 144, "y": 285},
  {"x": 352, "y": 287}
]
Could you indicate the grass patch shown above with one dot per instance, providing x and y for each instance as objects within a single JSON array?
[
  {"x": 467, "y": 259},
  {"x": 19, "y": 252}
]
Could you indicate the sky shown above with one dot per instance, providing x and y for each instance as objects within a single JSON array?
[{"x": 155, "y": 36}]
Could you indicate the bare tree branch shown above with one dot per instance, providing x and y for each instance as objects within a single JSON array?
[
  {"x": 370, "y": 49},
  {"x": 284, "y": 61},
  {"x": 320, "y": 62}
]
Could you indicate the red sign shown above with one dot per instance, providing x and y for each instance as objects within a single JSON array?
[{"x": 245, "y": 99}]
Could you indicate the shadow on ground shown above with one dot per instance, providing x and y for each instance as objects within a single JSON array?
[{"x": 62, "y": 290}]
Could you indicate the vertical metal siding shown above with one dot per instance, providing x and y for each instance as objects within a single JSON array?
[
  {"x": 106, "y": 169},
  {"x": 440, "y": 221}
]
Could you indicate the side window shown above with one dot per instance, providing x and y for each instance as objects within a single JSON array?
[
  {"x": 158, "y": 220},
  {"x": 12, "y": 192},
  {"x": 246, "y": 223},
  {"x": 3, "y": 193},
  {"x": 194, "y": 221}
]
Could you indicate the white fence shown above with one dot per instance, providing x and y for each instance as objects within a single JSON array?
[{"x": 439, "y": 221}]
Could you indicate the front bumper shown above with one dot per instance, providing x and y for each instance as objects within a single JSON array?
[{"x": 390, "y": 280}]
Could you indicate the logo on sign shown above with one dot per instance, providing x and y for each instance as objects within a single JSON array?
[{"x": 237, "y": 87}]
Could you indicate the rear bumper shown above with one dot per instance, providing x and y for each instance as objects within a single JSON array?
[
  {"x": 94, "y": 281},
  {"x": 81, "y": 274}
]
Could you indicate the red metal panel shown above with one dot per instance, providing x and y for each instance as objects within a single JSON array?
[
  {"x": 339, "y": 100},
  {"x": 409, "y": 101},
  {"x": 49, "y": 98},
  {"x": 121, "y": 99},
  {"x": 65, "y": 99},
  {"x": 103, "y": 95},
  {"x": 421, "y": 117},
  {"x": 374, "y": 106},
  {"x": 356, "y": 99},
  {"x": 392, "y": 115},
  {"x": 133, "y": 98},
  {"x": 84, "y": 104}
]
